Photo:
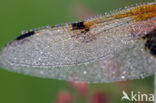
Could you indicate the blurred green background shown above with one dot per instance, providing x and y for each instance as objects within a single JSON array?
[{"x": 18, "y": 15}]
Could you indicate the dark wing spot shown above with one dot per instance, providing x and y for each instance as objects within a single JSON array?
[
  {"x": 25, "y": 35},
  {"x": 81, "y": 32},
  {"x": 151, "y": 45},
  {"x": 79, "y": 25},
  {"x": 151, "y": 42}
]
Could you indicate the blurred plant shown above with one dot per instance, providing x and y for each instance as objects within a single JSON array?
[
  {"x": 65, "y": 97},
  {"x": 82, "y": 89},
  {"x": 99, "y": 97}
]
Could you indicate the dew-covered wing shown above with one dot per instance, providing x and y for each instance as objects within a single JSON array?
[{"x": 113, "y": 55}]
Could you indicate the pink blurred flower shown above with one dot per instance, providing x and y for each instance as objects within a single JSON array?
[
  {"x": 81, "y": 87},
  {"x": 99, "y": 97},
  {"x": 65, "y": 97}
]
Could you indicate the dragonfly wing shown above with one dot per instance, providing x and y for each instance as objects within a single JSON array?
[{"x": 54, "y": 53}]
